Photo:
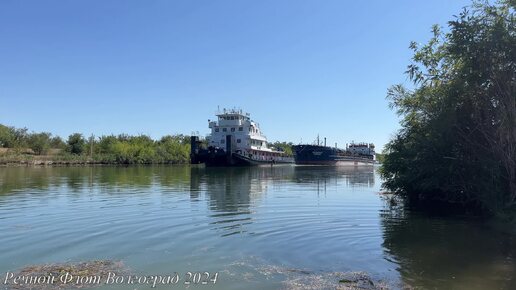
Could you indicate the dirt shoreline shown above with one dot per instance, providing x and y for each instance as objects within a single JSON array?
[{"x": 71, "y": 163}]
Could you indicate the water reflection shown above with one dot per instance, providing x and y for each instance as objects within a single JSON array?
[
  {"x": 349, "y": 176},
  {"x": 457, "y": 252},
  {"x": 234, "y": 189},
  {"x": 251, "y": 181},
  {"x": 309, "y": 217}
]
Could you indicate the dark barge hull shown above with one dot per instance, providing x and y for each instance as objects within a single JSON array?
[
  {"x": 323, "y": 155},
  {"x": 218, "y": 157},
  {"x": 213, "y": 156}
]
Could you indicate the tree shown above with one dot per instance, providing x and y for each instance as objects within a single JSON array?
[
  {"x": 76, "y": 143},
  {"x": 6, "y": 136},
  {"x": 457, "y": 145},
  {"x": 39, "y": 142},
  {"x": 284, "y": 146},
  {"x": 57, "y": 143}
]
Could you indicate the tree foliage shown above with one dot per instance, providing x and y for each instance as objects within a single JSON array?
[
  {"x": 20, "y": 139},
  {"x": 284, "y": 146},
  {"x": 457, "y": 144},
  {"x": 110, "y": 149},
  {"x": 39, "y": 142},
  {"x": 76, "y": 143}
]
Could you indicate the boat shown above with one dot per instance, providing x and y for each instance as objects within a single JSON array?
[
  {"x": 355, "y": 154},
  {"x": 235, "y": 140}
]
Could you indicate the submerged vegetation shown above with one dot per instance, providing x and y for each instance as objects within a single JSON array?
[{"x": 457, "y": 145}]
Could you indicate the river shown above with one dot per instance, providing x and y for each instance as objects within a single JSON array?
[{"x": 256, "y": 228}]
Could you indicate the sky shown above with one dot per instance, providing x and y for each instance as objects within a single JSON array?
[{"x": 300, "y": 68}]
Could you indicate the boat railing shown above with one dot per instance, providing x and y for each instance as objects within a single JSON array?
[{"x": 263, "y": 158}]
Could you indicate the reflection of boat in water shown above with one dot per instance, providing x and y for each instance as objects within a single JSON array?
[
  {"x": 235, "y": 139},
  {"x": 355, "y": 154},
  {"x": 235, "y": 188},
  {"x": 349, "y": 175}
]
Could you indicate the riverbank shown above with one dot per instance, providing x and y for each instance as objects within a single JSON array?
[{"x": 70, "y": 160}]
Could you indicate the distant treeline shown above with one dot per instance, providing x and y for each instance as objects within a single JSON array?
[
  {"x": 110, "y": 149},
  {"x": 19, "y": 145},
  {"x": 283, "y": 146}
]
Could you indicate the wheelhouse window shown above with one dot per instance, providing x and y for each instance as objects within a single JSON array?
[
  {"x": 216, "y": 129},
  {"x": 224, "y": 129},
  {"x": 232, "y": 129},
  {"x": 240, "y": 128}
]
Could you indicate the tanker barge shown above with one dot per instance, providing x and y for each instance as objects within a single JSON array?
[{"x": 354, "y": 154}]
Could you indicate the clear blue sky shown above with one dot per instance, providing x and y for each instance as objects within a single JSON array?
[{"x": 301, "y": 68}]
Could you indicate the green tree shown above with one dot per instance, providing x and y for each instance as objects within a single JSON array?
[
  {"x": 6, "y": 136},
  {"x": 76, "y": 143},
  {"x": 57, "y": 142},
  {"x": 457, "y": 145},
  {"x": 174, "y": 149},
  {"x": 284, "y": 146},
  {"x": 39, "y": 142}
]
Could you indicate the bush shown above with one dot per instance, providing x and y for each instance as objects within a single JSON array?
[
  {"x": 76, "y": 143},
  {"x": 457, "y": 145}
]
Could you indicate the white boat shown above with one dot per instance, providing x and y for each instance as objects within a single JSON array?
[{"x": 235, "y": 139}]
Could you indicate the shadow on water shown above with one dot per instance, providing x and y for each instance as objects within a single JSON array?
[{"x": 452, "y": 252}]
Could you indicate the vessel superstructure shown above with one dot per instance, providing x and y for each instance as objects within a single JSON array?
[{"x": 235, "y": 139}]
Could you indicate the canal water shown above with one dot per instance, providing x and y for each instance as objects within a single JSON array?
[{"x": 285, "y": 227}]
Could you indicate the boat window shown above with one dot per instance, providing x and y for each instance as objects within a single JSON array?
[
  {"x": 232, "y": 129},
  {"x": 216, "y": 129},
  {"x": 240, "y": 129},
  {"x": 232, "y": 118},
  {"x": 239, "y": 141},
  {"x": 224, "y": 129}
]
